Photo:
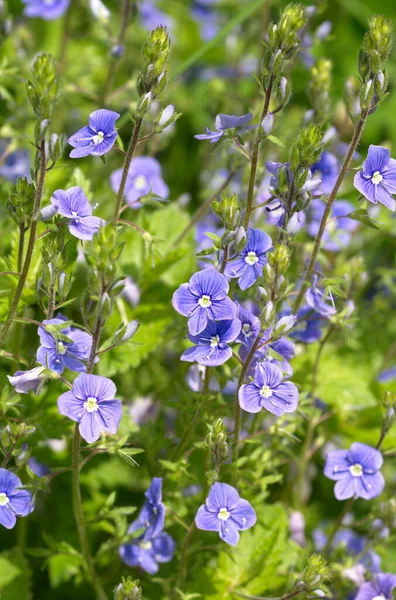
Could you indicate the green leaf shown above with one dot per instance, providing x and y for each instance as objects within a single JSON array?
[
  {"x": 15, "y": 576},
  {"x": 275, "y": 141},
  {"x": 362, "y": 215}
]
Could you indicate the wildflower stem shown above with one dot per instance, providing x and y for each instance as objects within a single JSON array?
[
  {"x": 125, "y": 170},
  {"x": 338, "y": 523},
  {"x": 126, "y": 11},
  {"x": 29, "y": 251},
  {"x": 255, "y": 155},
  {"x": 352, "y": 147},
  {"x": 183, "y": 557},
  {"x": 21, "y": 245}
]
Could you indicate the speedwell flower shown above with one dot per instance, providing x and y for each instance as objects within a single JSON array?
[
  {"x": 328, "y": 169},
  {"x": 225, "y": 512},
  {"x": 14, "y": 501},
  {"x": 204, "y": 298},
  {"x": 212, "y": 347},
  {"x": 57, "y": 354},
  {"x": 91, "y": 403},
  {"x": 248, "y": 265},
  {"x": 339, "y": 228},
  {"x": 356, "y": 471},
  {"x": 147, "y": 553},
  {"x": 152, "y": 515},
  {"x": 224, "y": 123},
  {"x": 269, "y": 391},
  {"x": 250, "y": 326},
  {"x": 377, "y": 180},
  {"x": 144, "y": 178},
  {"x": 74, "y": 205},
  {"x": 45, "y": 9},
  {"x": 26, "y": 381},
  {"x": 315, "y": 299},
  {"x": 379, "y": 589},
  {"x": 97, "y": 137}
]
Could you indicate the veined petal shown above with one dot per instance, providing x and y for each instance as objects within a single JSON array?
[
  {"x": 206, "y": 520},
  {"x": 249, "y": 398}
]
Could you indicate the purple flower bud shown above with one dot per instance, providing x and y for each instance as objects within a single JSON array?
[
  {"x": 286, "y": 323},
  {"x": 267, "y": 123},
  {"x": 117, "y": 51},
  {"x": 26, "y": 381},
  {"x": 166, "y": 116}
]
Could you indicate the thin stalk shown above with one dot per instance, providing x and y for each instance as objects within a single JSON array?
[
  {"x": 352, "y": 148},
  {"x": 338, "y": 523},
  {"x": 255, "y": 156},
  {"x": 318, "y": 357},
  {"x": 285, "y": 597},
  {"x": 125, "y": 170},
  {"x": 30, "y": 248},
  {"x": 120, "y": 42},
  {"x": 21, "y": 245},
  {"x": 183, "y": 557}
]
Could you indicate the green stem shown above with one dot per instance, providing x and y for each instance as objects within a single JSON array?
[
  {"x": 338, "y": 523},
  {"x": 29, "y": 252},
  {"x": 285, "y": 597},
  {"x": 127, "y": 162},
  {"x": 183, "y": 557},
  {"x": 319, "y": 353},
  {"x": 21, "y": 245},
  {"x": 255, "y": 156},
  {"x": 352, "y": 148}
]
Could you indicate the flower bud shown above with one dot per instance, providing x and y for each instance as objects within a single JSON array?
[
  {"x": 267, "y": 123},
  {"x": 166, "y": 116}
]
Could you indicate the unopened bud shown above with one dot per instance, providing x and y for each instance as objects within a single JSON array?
[{"x": 267, "y": 123}]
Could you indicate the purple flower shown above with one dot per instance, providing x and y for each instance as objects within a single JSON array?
[
  {"x": 338, "y": 231},
  {"x": 91, "y": 403},
  {"x": 38, "y": 468},
  {"x": 309, "y": 326},
  {"x": 250, "y": 326},
  {"x": 152, "y": 17},
  {"x": 144, "y": 178},
  {"x": 377, "y": 180},
  {"x": 356, "y": 471},
  {"x": 59, "y": 354},
  {"x": 195, "y": 379},
  {"x": 238, "y": 125},
  {"x": 328, "y": 169},
  {"x": 315, "y": 300},
  {"x": 152, "y": 515},
  {"x": 146, "y": 554},
  {"x": 212, "y": 347},
  {"x": 14, "y": 501},
  {"x": 267, "y": 390},
  {"x": 248, "y": 265},
  {"x": 74, "y": 205},
  {"x": 383, "y": 377},
  {"x": 311, "y": 187},
  {"x": 45, "y": 9},
  {"x": 379, "y": 589},
  {"x": 283, "y": 346},
  {"x": 206, "y": 18},
  {"x": 98, "y": 137},
  {"x": 204, "y": 298},
  {"x": 225, "y": 512},
  {"x": 26, "y": 381},
  {"x": 16, "y": 164}
]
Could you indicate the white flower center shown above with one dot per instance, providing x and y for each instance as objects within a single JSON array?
[
  {"x": 251, "y": 258},
  {"x": 4, "y": 500},
  {"x": 247, "y": 330},
  {"x": 74, "y": 213},
  {"x": 377, "y": 178},
  {"x": 140, "y": 182},
  {"x": 98, "y": 138},
  {"x": 223, "y": 514},
  {"x": 204, "y": 301},
  {"x": 91, "y": 405},
  {"x": 146, "y": 545},
  {"x": 214, "y": 341},
  {"x": 61, "y": 348},
  {"x": 381, "y": 597},
  {"x": 265, "y": 391},
  {"x": 356, "y": 470},
  {"x": 49, "y": 2}
]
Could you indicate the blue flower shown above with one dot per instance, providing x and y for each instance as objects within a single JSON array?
[
  {"x": 212, "y": 347},
  {"x": 58, "y": 355},
  {"x": 152, "y": 515},
  {"x": 309, "y": 326},
  {"x": 269, "y": 391},
  {"x": 45, "y": 9},
  {"x": 379, "y": 589},
  {"x": 339, "y": 228},
  {"x": 311, "y": 187},
  {"x": 16, "y": 164},
  {"x": 74, "y": 205},
  {"x": 98, "y": 137},
  {"x": 147, "y": 553},
  {"x": 26, "y": 381},
  {"x": 91, "y": 403},
  {"x": 283, "y": 346},
  {"x": 225, "y": 512},
  {"x": 238, "y": 125},
  {"x": 250, "y": 326},
  {"x": 38, "y": 468},
  {"x": 207, "y": 19},
  {"x": 144, "y": 178},
  {"x": 315, "y": 299},
  {"x": 385, "y": 375},
  {"x": 153, "y": 17},
  {"x": 204, "y": 298},
  {"x": 377, "y": 180},
  {"x": 356, "y": 471},
  {"x": 328, "y": 169},
  {"x": 14, "y": 501},
  {"x": 248, "y": 265},
  {"x": 195, "y": 379}
]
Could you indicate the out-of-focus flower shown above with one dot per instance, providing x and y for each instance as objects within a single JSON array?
[
  {"x": 45, "y": 9},
  {"x": 144, "y": 178},
  {"x": 99, "y": 10},
  {"x": 379, "y": 589},
  {"x": 328, "y": 169},
  {"x": 152, "y": 17},
  {"x": 16, "y": 164},
  {"x": 339, "y": 228},
  {"x": 315, "y": 299},
  {"x": 146, "y": 554}
]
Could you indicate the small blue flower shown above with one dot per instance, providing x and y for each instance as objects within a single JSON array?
[
  {"x": 91, "y": 403},
  {"x": 212, "y": 344},
  {"x": 309, "y": 326},
  {"x": 249, "y": 263},
  {"x": 27, "y": 381},
  {"x": 315, "y": 299},
  {"x": 98, "y": 137},
  {"x": 328, "y": 169},
  {"x": 152, "y": 17},
  {"x": 74, "y": 205},
  {"x": 58, "y": 355},
  {"x": 377, "y": 180},
  {"x": 379, "y": 589},
  {"x": 152, "y": 515},
  {"x": 385, "y": 375},
  {"x": 225, "y": 512},
  {"x": 144, "y": 178},
  {"x": 14, "y": 501},
  {"x": 250, "y": 326},
  {"x": 204, "y": 298},
  {"x": 206, "y": 18},
  {"x": 356, "y": 471},
  {"x": 238, "y": 125},
  {"x": 339, "y": 228},
  {"x": 15, "y": 165},
  {"x": 283, "y": 346},
  {"x": 45, "y": 9},
  {"x": 269, "y": 391},
  {"x": 147, "y": 553}
]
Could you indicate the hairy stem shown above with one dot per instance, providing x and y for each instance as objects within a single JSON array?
[
  {"x": 125, "y": 170},
  {"x": 352, "y": 148},
  {"x": 21, "y": 245},
  {"x": 30, "y": 248}
]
